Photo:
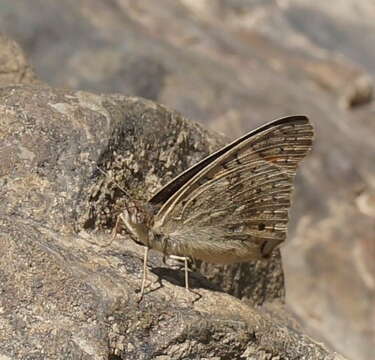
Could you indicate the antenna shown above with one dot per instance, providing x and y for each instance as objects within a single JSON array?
[{"x": 120, "y": 187}]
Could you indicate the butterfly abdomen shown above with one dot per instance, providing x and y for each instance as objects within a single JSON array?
[{"x": 213, "y": 245}]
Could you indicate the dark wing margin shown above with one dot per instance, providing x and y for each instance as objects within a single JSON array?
[{"x": 175, "y": 184}]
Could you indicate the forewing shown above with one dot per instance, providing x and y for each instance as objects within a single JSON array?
[{"x": 245, "y": 191}]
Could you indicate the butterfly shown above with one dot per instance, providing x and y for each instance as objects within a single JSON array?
[{"x": 230, "y": 207}]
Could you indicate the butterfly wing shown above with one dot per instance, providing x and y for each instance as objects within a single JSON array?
[
  {"x": 164, "y": 194},
  {"x": 233, "y": 205}
]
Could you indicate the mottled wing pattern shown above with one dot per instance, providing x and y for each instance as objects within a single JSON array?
[{"x": 239, "y": 198}]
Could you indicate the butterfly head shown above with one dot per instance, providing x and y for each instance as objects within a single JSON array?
[{"x": 137, "y": 219}]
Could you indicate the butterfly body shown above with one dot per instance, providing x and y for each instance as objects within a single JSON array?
[
  {"x": 205, "y": 246},
  {"x": 233, "y": 205}
]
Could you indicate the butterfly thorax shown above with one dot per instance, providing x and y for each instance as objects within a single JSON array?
[
  {"x": 138, "y": 219},
  {"x": 138, "y": 222}
]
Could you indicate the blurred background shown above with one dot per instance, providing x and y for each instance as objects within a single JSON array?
[{"x": 232, "y": 65}]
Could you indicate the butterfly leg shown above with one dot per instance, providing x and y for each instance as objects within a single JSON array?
[
  {"x": 144, "y": 277},
  {"x": 186, "y": 273},
  {"x": 185, "y": 259},
  {"x": 114, "y": 231}
]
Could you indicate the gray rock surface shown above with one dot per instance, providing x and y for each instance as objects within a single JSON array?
[
  {"x": 13, "y": 64},
  {"x": 234, "y": 65},
  {"x": 64, "y": 294}
]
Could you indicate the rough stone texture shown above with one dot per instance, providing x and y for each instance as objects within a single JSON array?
[
  {"x": 14, "y": 68},
  {"x": 256, "y": 283},
  {"x": 64, "y": 295},
  {"x": 234, "y": 64}
]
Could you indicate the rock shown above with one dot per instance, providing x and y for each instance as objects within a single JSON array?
[
  {"x": 63, "y": 292},
  {"x": 233, "y": 65},
  {"x": 14, "y": 66}
]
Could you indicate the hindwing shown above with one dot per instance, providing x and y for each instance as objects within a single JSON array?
[{"x": 241, "y": 193}]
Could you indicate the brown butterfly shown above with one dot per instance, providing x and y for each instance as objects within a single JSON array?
[{"x": 230, "y": 207}]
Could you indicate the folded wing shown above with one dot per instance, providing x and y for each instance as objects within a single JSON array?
[{"x": 241, "y": 196}]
